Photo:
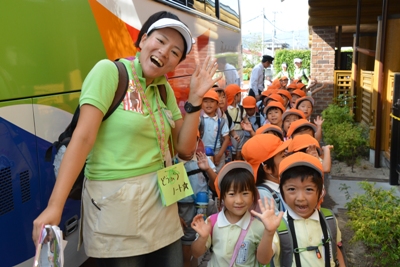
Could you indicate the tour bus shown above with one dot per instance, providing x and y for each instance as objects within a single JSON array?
[{"x": 46, "y": 50}]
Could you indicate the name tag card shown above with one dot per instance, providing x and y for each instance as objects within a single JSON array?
[{"x": 174, "y": 184}]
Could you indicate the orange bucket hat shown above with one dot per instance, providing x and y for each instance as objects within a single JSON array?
[
  {"x": 262, "y": 147},
  {"x": 237, "y": 164},
  {"x": 300, "y": 123},
  {"x": 270, "y": 128},
  {"x": 293, "y": 111},
  {"x": 275, "y": 97},
  {"x": 249, "y": 102},
  {"x": 285, "y": 93},
  {"x": 230, "y": 92},
  {"x": 275, "y": 104},
  {"x": 300, "y": 159},
  {"x": 304, "y": 98},
  {"x": 291, "y": 86},
  {"x": 212, "y": 95},
  {"x": 299, "y": 92},
  {"x": 302, "y": 141}
]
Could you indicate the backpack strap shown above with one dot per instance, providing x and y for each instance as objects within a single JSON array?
[
  {"x": 274, "y": 195},
  {"x": 213, "y": 219},
  {"x": 258, "y": 119},
  {"x": 201, "y": 127},
  {"x": 239, "y": 242},
  {"x": 286, "y": 244},
  {"x": 330, "y": 220},
  {"x": 163, "y": 93},
  {"x": 228, "y": 116},
  {"x": 241, "y": 108},
  {"x": 121, "y": 89}
]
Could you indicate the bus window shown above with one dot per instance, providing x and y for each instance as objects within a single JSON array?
[{"x": 229, "y": 12}]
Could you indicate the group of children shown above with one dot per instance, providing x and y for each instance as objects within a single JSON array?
[{"x": 274, "y": 182}]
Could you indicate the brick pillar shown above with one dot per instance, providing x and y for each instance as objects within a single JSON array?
[{"x": 323, "y": 64}]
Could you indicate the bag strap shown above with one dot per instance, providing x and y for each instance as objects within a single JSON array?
[
  {"x": 330, "y": 220},
  {"x": 121, "y": 89},
  {"x": 218, "y": 131},
  {"x": 277, "y": 199},
  {"x": 213, "y": 219},
  {"x": 239, "y": 242}
]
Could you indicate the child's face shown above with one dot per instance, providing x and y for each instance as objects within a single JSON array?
[
  {"x": 277, "y": 160},
  {"x": 301, "y": 197},
  {"x": 294, "y": 98},
  {"x": 238, "y": 97},
  {"x": 222, "y": 100},
  {"x": 250, "y": 111},
  {"x": 285, "y": 100},
  {"x": 237, "y": 203},
  {"x": 306, "y": 107},
  {"x": 288, "y": 120},
  {"x": 210, "y": 106},
  {"x": 274, "y": 116}
]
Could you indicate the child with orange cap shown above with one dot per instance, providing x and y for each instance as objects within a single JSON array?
[
  {"x": 290, "y": 116},
  {"x": 286, "y": 96},
  {"x": 271, "y": 129},
  {"x": 301, "y": 182},
  {"x": 296, "y": 94},
  {"x": 254, "y": 120},
  {"x": 301, "y": 126},
  {"x": 274, "y": 111},
  {"x": 264, "y": 152},
  {"x": 235, "y": 114},
  {"x": 306, "y": 104},
  {"x": 237, "y": 238},
  {"x": 214, "y": 130},
  {"x": 308, "y": 144}
]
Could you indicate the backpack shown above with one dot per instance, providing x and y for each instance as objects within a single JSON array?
[
  {"x": 328, "y": 222},
  {"x": 221, "y": 123},
  {"x": 258, "y": 120},
  {"x": 195, "y": 174},
  {"x": 277, "y": 199},
  {"x": 230, "y": 121},
  {"x": 61, "y": 144}
]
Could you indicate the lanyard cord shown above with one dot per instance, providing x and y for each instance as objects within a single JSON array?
[
  {"x": 325, "y": 242},
  {"x": 160, "y": 132}
]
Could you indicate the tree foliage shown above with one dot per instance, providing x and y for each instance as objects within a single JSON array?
[
  {"x": 288, "y": 56},
  {"x": 374, "y": 218}
]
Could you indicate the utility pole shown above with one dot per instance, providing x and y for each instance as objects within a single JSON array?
[
  {"x": 262, "y": 36},
  {"x": 274, "y": 34}
]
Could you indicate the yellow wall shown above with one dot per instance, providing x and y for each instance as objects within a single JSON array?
[{"x": 391, "y": 65}]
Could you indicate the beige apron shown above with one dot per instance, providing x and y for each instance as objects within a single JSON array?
[{"x": 122, "y": 218}]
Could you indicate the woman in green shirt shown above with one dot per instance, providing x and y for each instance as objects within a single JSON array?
[{"x": 124, "y": 222}]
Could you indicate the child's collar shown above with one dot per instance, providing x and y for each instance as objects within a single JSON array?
[
  {"x": 295, "y": 216},
  {"x": 222, "y": 221}
]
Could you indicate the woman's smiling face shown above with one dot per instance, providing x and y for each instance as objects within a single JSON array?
[{"x": 161, "y": 52}]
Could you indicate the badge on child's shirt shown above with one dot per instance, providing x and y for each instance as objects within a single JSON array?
[{"x": 174, "y": 184}]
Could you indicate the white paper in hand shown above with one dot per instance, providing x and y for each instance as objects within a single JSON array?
[{"x": 50, "y": 251}]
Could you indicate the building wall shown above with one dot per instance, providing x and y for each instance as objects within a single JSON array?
[{"x": 323, "y": 64}]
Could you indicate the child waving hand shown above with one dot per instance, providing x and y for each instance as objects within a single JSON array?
[{"x": 237, "y": 239}]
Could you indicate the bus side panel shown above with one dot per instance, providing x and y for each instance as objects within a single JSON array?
[
  {"x": 46, "y": 46},
  {"x": 19, "y": 183}
]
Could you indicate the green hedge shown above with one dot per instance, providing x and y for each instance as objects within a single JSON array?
[{"x": 288, "y": 56}]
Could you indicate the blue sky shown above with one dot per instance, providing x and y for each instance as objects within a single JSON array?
[{"x": 291, "y": 20}]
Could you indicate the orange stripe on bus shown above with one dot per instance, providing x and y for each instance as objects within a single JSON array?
[{"x": 116, "y": 36}]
